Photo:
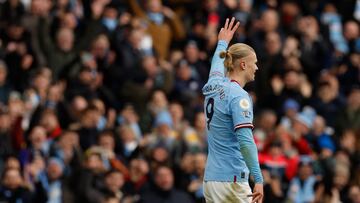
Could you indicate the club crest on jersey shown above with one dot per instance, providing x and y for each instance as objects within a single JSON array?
[{"x": 244, "y": 104}]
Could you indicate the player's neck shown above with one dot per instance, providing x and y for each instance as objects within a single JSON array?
[{"x": 238, "y": 78}]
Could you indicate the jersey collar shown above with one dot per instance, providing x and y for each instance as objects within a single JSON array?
[{"x": 236, "y": 82}]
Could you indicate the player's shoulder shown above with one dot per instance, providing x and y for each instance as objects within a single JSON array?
[{"x": 236, "y": 91}]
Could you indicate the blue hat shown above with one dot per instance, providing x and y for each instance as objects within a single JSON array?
[
  {"x": 163, "y": 118},
  {"x": 291, "y": 104},
  {"x": 325, "y": 142},
  {"x": 307, "y": 116}
]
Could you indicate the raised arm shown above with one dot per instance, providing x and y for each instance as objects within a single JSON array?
[{"x": 225, "y": 35}]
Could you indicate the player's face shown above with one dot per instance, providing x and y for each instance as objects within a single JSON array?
[{"x": 251, "y": 67}]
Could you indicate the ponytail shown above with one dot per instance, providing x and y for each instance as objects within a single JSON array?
[{"x": 228, "y": 62}]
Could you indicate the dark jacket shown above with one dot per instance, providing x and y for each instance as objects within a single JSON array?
[
  {"x": 159, "y": 196},
  {"x": 20, "y": 194}
]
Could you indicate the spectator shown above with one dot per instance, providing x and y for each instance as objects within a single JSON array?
[
  {"x": 67, "y": 149},
  {"x": 88, "y": 128},
  {"x": 196, "y": 185},
  {"x": 139, "y": 178},
  {"x": 163, "y": 189},
  {"x": 164, "y": 135},
  {"x": 187, "y": 87},
  {"x": 193, "y": 57},
  {"x": 274, "y": 160},
  {"x": 12, "y": 189},
  {"x": 265, "y": 128},
  {"x": 321, "y": 138},
  {"x": 301, "y": 127},
  {"x": 159, "y": 19},
  {"x": 313, "y": 47},
  {"x": 351, "y": 33},
  {"x": 152, "y": 76},
  {"x": 184, "y": 170},
  {"x": 39, "y": 145},
  {"x": 294, "y": 85},
  {"x": 51, "y": 187},
  {"x": 18, "y": 54},
  {"x": 349, "y": 117},
  {"x": 114, "y": 181},
  {"x": 268, "y": 22},
  {"x": 128, "y": 116},
  {"x": 273, "y": 188},
  {"x": 291, "y": 109},
  {"x": 91, "y": 178},
  {"x": 270, "y": 63},
  {"x": 128, "y": 145},
  {"x": 301, "y": 188},
  {"x": 327, "y": 100}
]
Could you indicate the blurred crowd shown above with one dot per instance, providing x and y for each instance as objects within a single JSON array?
[{"x": 100, "y": 100}]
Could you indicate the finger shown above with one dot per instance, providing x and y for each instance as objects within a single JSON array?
[
  {"x": 226, "y": 24},
  {"x": 231, "y": 23},
  {"x": 255, "y": 199},
  {"x": 261, "y": 199},
  {"x": 235, "y": 27},
  {"x": 253, "y": 194}
]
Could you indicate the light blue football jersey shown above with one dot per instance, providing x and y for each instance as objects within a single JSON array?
[{"x": 227, "y": 107}]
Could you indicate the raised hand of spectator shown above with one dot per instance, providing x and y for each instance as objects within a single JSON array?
[
  {"x": 305, "y": 87},
  {"x": 277, "y": 85},
  {"x": 26, "y": 61},
  {"x": 168, "y": 12},
  {"x": 227, "y": 32},
  {"x": 35, "y": 168},
  {"x": 165, "y": 65}
]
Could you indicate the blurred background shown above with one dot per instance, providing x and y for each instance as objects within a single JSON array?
[{"x": 100, "y": 100}]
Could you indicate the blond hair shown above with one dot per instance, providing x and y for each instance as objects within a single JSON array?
[{"x": 234, "y": 53}]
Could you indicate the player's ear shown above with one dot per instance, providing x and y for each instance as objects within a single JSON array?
[{"x": 242, "y": 65}]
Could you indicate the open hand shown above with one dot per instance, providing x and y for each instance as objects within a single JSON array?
[{"x": 227, "y": 32}]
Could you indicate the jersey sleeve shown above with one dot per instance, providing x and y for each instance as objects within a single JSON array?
[
  {"x": 242, "y": 112},
  {"x": 217, "y": 64}
]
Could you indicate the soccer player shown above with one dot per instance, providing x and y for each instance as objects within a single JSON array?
[{"x": 228, "y": 108}]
